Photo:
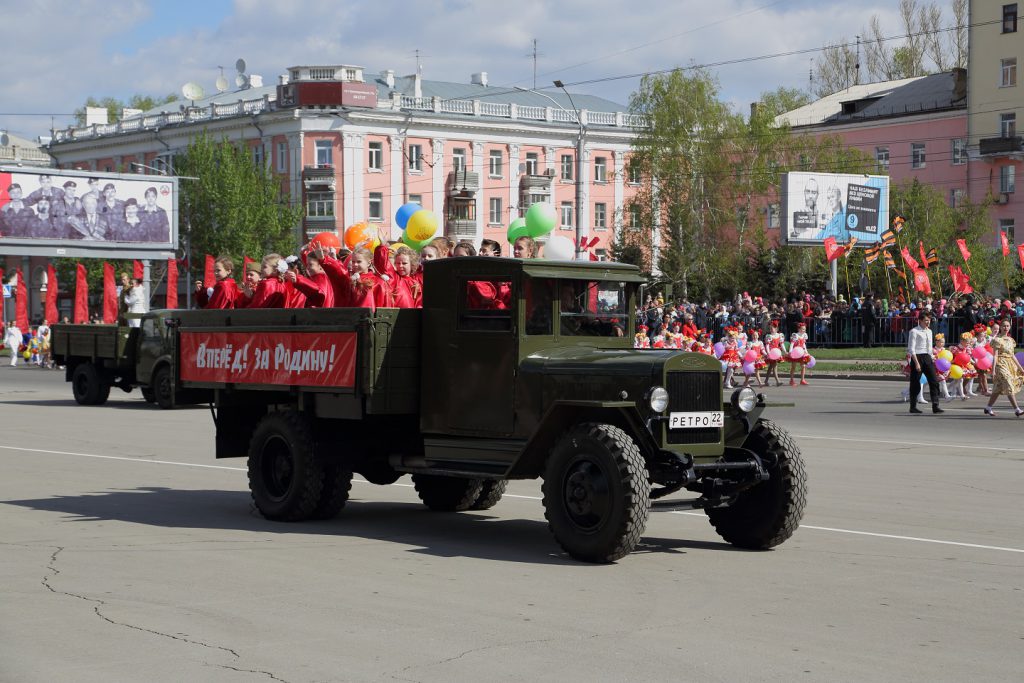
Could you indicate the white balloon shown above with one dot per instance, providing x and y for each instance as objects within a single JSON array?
[{"x": 559, "y": 248}]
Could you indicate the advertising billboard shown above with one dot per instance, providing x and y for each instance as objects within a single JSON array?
[
  {"x": 840, "y": 205},
  {"x": 53, "y": 212}
]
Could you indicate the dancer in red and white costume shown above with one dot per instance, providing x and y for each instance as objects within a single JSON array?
[
  {"x": 798, "y": 340},
  {"x": 774, "y": 340}
]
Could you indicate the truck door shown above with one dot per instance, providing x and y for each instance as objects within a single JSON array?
[
  {"x": 481, "y": 379},
  {"x": 151, "y": 347}
]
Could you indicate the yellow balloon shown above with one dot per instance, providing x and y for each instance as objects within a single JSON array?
[
  {"x": 955, "y": 372},
  {"x": 946, "y": 354},
  {"x": 421, "y": 226}
]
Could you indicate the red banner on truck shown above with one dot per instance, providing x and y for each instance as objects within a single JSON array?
[{"x": 321, "y": 359}]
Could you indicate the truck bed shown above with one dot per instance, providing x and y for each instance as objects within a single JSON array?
[{"x": 94, "y": 342}]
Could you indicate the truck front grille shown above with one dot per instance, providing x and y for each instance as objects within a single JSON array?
[{"x": 691, "y": 392}]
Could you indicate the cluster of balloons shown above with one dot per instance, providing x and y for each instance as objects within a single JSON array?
[
  {"x": 956, "y": 364},
  {"x": 540, "y": 220},
  {"x": 775, "y": 355},
  {"x": 418, "y": 225},
  {"x": 361, "y": 235}
]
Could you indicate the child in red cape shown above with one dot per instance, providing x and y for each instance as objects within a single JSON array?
[{"x": 224, "y": 293}]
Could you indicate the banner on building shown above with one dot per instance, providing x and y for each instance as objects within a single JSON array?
[
  {"x": 54, "y": 212},
  {"x": 838, "y": 205}
]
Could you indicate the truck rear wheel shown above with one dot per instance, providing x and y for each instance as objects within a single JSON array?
[
  {"x": 88, "y": 387},
  {"x": 767, "y": 514},
  {"x": 334, "y": 494},
  {"x": 446, "y": 494},
  {"x": 490, "y": 493},
  {"x": 596, "y": 493},
  {"x": 163, "y": 387},
  {"x": 285, "y": 479}
]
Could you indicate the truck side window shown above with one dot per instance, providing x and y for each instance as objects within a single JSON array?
[
  {"x": 149, "y": 330},
  {"x": 538, "y": 305},
  {"x": 593, "y": 309},
  {"x": 485, "y": 305}
]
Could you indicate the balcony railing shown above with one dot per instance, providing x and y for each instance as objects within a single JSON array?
[{"x": 991, "y": 146}]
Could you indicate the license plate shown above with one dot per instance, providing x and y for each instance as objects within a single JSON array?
[{"x": 712, "y": 418}]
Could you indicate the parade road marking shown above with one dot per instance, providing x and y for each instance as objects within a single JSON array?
[
  {"x": 871, "y": 534},
  {"x": 911, "y": 443}
]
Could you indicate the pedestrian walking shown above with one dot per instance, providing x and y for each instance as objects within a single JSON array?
[
  {"x": 1007, "y": 372},
  {"x": 919, "y": 349},
  {"x": 13, "y": 339}
]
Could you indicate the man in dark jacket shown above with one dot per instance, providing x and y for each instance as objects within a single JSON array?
[{"x": 868, "y": 321}]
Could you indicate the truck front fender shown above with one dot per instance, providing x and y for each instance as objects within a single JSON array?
[{"x": 563, "y": 415}]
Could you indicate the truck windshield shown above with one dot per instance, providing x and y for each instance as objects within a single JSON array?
[{"x": 593, "y": 309}]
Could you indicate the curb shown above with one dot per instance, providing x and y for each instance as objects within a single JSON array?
[{"x": 860, "y": 376}]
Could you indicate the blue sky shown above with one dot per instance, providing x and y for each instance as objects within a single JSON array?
[{"x": 121, "y": 47}]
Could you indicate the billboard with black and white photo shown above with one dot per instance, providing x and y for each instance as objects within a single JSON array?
[
  {"x": 839, "y": 205},
  {"x": 53, "y": 212}
]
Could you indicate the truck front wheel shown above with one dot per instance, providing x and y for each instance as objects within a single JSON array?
[
  {"x": 163, "y": 388},
  {"x": 446, "y": 494},
  {"x": 767, "y": 514},
  {"x": 285, "y": 479},
  {"x": 88, "y": 387},
  {"x": 596, "y": 493}
]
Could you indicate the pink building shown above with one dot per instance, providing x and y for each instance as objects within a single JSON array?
[{"x": 353, "y": 148}]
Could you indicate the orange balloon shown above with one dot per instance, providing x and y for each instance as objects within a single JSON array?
[
  {"x": 326, "y": 240},
  {"x": 357, "y": 234}
]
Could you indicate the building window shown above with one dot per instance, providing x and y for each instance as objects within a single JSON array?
[
  {"x": 415, "y": 158},
  {"x": 319, "y": 204},
  {"x": 532, "y": 162},
  {"x": 109, "y": 168},
  {"x": 959, "y": 151},
  {"x": 805, "y": 163},
  {"x": 257, "y": 155},
  {"x": 459, "y": 159},
  {"x": 1007, "y": 225},
  {"x": 917, "y": 157},
  {"x": 600, "y": 170},
  {"x": 324, "y": 154},
  {"x": 1008, "y": 73},
  {"x": 495, "y": 163},
  {"x": 601, "y": 254},
  {"x": 634, "y": 217},
  {"x": 350, "y": 74},
  {"x": 282, "y": 157},
  {"x": 634, "y": 174},
  {"x": 1006, "y": 179},
  {"x": 375, "y": 160},
  {"x": 600, "y": 216},
  {"x": 566, "y": 215},
  {"x": 566, "y": 167},
  {"x": 1008, "y": 125},
  {"x": 1010, "y": 18},
  {"x": 956, "y": 198},
  {"x": 321, "y": 74},
  {"x": 494, "y": 217},
  {"x": 882, "y": 159},
  {"x": 416, "y": 199},
  {"x": 774, "y": 220},
  {"x": 376, "y": 208}
]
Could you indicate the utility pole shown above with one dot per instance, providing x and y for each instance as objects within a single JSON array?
[{"x": 581, "y": 169}]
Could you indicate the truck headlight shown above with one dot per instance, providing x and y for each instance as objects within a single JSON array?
[
  {"x": 657, "y": 398},
  {"x": 744, "y": 399}
]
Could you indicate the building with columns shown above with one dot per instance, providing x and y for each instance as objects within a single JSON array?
[{"x": 353, "y": 147}]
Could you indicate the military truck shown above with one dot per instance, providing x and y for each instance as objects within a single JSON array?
[{"x": 514, "y": 369}]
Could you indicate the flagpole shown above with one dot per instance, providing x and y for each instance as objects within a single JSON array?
[
  {"x": 846, "y": 269},
  {"x": 938, "y": 274}
]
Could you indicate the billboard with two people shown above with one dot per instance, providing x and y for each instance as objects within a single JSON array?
[{"x": 820, "y": 205}]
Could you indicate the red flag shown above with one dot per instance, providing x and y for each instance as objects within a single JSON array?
[
  {"x": 81, "y": 314},
  {"x": 138, "y": 270},
  {"x": 1020, "y": 254},
  {"x": 908, "y": 259},
  {"x": 50, "y": 310},
  {"x": 109, "y": 294},
  {"x": 172, "y": 283},
  {"x": 209, "y": 279},
  {"x": 924, "y": 255},
  {"x": 963, "y": 249},
  {"x": 961, "y": 283},
  {"x": 21, "y": 303},
  {"x": 245, "y": 264},
  {"x": 921, "y": 282},
  {"x": 1006, "y": 243},
  {"x": 832, "y": 250}
]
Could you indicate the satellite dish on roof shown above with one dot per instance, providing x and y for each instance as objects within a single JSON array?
[
  {"x": 222, "y": 83},
  {"x": 4, "y": 139},
  {"x": 242, "y": 81},
  {"x": 240, "y": 65},
  {"x": 192, "y": 91}
]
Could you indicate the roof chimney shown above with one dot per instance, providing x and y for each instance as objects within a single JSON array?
[
  {"x": 388, "y": 76},
  {"x": 282, "y": 79},
  {"x": 479, "y": 79},
  {"x": 255, "y": 81}
]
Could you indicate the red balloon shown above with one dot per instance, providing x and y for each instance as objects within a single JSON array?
[
  {"x": 962, "y": 359},
  {"x": 326, "y": 240}
]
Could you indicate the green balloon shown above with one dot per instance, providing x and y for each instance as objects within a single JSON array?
[
  {"x": 540, "y": 219},
  {"x": 413, "y": 244},
  {"x": 517, "y": 229}
]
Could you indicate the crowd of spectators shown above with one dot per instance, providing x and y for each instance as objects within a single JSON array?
[{"x": 831, "y": 321}]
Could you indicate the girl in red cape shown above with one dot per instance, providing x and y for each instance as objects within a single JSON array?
[{"x": 224, "y": 293}]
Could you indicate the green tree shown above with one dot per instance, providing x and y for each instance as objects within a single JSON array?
[
  {"x": 235, "y": 206},
  {"x": 114, "y": 105}
]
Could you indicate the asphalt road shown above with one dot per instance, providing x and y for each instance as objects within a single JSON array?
[{"x": 129, "y": 554}]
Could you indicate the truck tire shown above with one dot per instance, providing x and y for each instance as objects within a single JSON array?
[
  {"x": 285, "y": 478},
  {"x": 148, "y": 394},
  {"x": 334, "y": 494},
  {"x": 767, "y": 514},
  {"x": 446, "y": 494},
  {"x": 163, "y": 388},
  {"x": 490, "y": 493},
  {"x": 596, "y": 493},
  {"x": 88, "y": 387}
]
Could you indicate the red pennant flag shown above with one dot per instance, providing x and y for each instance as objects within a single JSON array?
[
  {"x": 21, "y": 303},
  {"x": 908, "y": 259},
  {"x": 245, "y": 264},
  {"x": 81, "y": 313},
  {"x": 172, "y": 283},
  {"x": 963, "y": 250},
  {"x": 924, "y": 255},
  {"x": 1020, "y": 254},
  {"x": 138, "y": 270},
  {"x": 109, "y": 294},
  {"x": 961, "y": 283},
  {"x": 208, "y": 277},
  {"x": 50, "y": 310},
  {"x": 1005, "y": 241},
  {"x": 593, "y": 242},
  {"x": 921, "y": 282},
  {"x": 832, "y": 250}
]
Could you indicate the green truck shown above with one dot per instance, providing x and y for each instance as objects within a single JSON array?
[{"x": 514, "y": 369}]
